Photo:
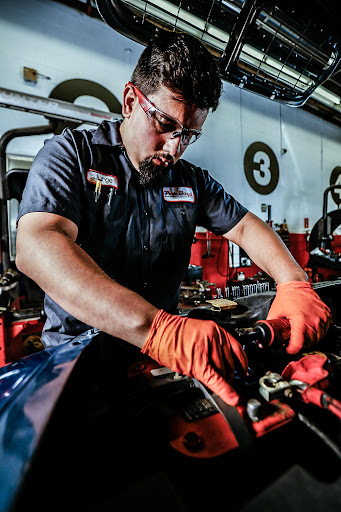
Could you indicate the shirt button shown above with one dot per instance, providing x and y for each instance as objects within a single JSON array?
[
  {"x": 145, "y": 285},
  {"x": 145, "y": 247},
  {"x": 145, "y": 212}
]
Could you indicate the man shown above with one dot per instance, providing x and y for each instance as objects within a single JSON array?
[{"x": 108, "y": 217}]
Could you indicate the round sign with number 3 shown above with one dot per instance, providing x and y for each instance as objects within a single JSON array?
[{"x": 261, "y": 168}]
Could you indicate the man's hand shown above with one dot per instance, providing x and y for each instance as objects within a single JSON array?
[
  {"x": 198, "y": 348},
  {"x": 308, "y": 315}
]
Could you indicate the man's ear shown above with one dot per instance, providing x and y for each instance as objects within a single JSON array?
[{"x": 129, "y": 98}]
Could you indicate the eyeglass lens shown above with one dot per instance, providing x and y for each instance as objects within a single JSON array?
[{"x": 165, "y": 124}]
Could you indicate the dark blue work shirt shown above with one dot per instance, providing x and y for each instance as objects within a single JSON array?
[{"x": 141, "y": 236}]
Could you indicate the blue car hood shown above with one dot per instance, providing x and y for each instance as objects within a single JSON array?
[{"x": 29, "y": 390}]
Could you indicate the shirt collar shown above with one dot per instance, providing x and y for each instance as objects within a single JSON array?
[{"x": 108, "y": 134}]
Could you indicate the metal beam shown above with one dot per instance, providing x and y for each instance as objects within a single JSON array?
[{"x": 53, "y": 108}]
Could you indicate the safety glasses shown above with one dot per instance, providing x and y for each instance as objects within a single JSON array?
[{"x": 163, "y": 123}]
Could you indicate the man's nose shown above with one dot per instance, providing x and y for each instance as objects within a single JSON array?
[{"x": 172, "y": 145}]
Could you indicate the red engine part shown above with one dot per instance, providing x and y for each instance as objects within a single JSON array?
[
  {"x": 212, "y": 436},
  {"x": 313, "y": 370}
]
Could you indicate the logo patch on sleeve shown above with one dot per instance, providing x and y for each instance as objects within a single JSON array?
[
  {"x": 178, "y": 194},
  {"x": 107, "y": 180}
]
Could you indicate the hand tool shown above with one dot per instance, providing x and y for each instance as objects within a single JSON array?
[{"x": 265, "y": 333}]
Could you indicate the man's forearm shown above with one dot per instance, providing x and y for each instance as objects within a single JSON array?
[
  {"x": 266, "y": 249},
  {"x": 73, "y": 280}
]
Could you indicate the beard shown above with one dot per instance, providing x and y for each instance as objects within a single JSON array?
[{"x": 153, "y": 174}]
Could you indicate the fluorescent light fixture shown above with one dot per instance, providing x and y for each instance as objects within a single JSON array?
[
  {"x": 181, "y": 19},
  {"x": 328, "y": 98},
  {"x": 278, "y": 71},
  {"x": 322, "y": 91}
]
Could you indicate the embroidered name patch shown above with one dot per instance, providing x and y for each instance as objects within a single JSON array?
[
  {"x": 176, "y": 194},
  {"x": 107, "y": 180}
]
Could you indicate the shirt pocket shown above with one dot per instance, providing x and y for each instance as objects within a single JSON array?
[
  {"x": 180, "y": 225},
  {"x": 104, "y": 223}
]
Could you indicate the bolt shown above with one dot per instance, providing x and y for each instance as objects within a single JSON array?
[
  {"x": 193, "y": 442},
  {"x": 288, "y": 393}
]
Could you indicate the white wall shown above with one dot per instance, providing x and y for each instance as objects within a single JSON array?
[
  {"x": 63, "y": 44},
  {"x": 313, "y": 149}
]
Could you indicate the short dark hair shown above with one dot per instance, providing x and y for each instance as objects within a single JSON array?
[{"x": 183, "y": 64}]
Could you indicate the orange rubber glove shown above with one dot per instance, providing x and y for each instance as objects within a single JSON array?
[
  {"x": 308, "y": 315},
  {"x": 198, "y": 348}
]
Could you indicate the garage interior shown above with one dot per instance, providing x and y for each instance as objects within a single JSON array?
[{"x": 94, "y": 426}]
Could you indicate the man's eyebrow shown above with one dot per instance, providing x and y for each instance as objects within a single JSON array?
[{"x": 180, "y": 100}]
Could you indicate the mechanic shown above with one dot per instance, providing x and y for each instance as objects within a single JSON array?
[{"x": 108, "y": 217}]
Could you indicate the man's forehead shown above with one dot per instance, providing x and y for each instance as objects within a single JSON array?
[
  {"x": 167, "y": 92},
  {"x": 168, "y": 95}
]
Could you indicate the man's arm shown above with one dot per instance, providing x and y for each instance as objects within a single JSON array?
[
  {"x": 266, "y": 249},
  {"x": 295, "y": 299},
  {"x": 48, "y": 254}
]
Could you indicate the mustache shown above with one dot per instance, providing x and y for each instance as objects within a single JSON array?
[{"x": 164, "y": 156}]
